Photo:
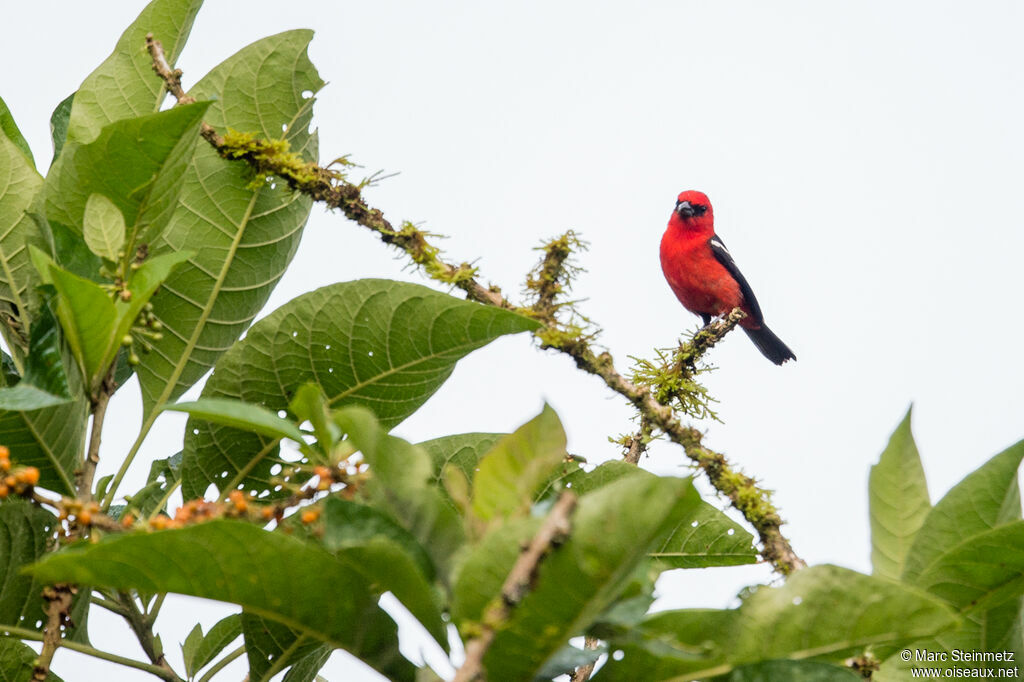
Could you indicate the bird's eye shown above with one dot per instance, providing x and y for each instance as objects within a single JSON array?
[{"x": 699, "y": 209}]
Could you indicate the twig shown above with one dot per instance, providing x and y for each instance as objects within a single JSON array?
[
  {"x": 330, "y": 188},
  {"x": 553, "y": 532},
  {"x": 58, "y": 604},
  {"x": 32, "y": 635},
  {"x": 636, "y": 446},
  {"x": 142, "y": 626},
  {"x": 92, "y": 459}
]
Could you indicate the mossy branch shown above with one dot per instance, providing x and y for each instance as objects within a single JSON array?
[{"x": 572, "y": 337}]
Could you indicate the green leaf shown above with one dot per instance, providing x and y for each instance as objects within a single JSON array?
[
  {"x": 19, "y": 184},
  {"x": 239, "y": 563},
  {"x": 510, "y": 475},
  {"x": 50, "y": 439},
  {"x": 103, "y": 227},
  {"x": 269, "y": 644},
  {"x": 898, "y": 496},
  {"x": 822, "y": 612},
  {"x": 139, "y": 164},
  {"x": 400, "y": 485},
  {"x": 199, "y": 651},
  {"x": 482, "y": 571},
  {"x": 243, "y": 238},
  {"x": 461, "y": 451},
  {"x": 240, "y": 415},
  {"x": 9, "y": 129},
  {"x": 386, "y": 345},
  {"x": 310, "y": 404},
  {"x": 982, "y": 571},
  {"x": 388, "y": 564},
  {"x": 350, "y": 524},
  {"x": 45, "y": 382},
  {"x": 26, "y": 534},
  {"x": 162, "y": 479},
  {"x": 89, "y": 319},
  {"x": 612, "y": 532},
  {"x": 791, "y": 671},
  {"x": 93, "y": 324},
  {"x": 124, "y": 85},
  {"x": 986, "y": 498},
  {"x": 59, "y": 124},
  {"x": 706, "y": 538},
  {"x": 18, "y": 661}
]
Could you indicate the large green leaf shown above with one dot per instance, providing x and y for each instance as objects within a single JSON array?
[
  {"x": 242, "y": 238},
  {"x": 980, "y": 572},
  {"x": 706, "y": 538},
  {"x": 270, "y": 574},
  {"x": 271, "y": 646},
  {"x": 386, "y": 345},
  {"x": 138, "y": 164},
  {"x": 19, "y": 184},
  {"x": 400, "y": 485},
  {"x": 18, "y": 661},
  {"x": 124, "y": 85},
  {"x": 509, "y": 476},
  {"x": 9, "y": 129},
  {"x": 45, "y": 380},
  {"x": 388, "y": 564},
  {"x": 986, "y": 498},
  {"x": 823, "y": 612},
  {"x": 50, "y": 439},
  {"x": 240, "y": 415},
  {"x": 26, "y": 533},
  {"x": 898, "y": 496},
  {"x": 103, "y": 227},
  {"x": 612, "y": 531}
]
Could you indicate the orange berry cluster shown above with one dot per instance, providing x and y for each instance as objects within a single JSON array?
[
  {"x": 83, "y": 513},
  {"x": 18, "y": 481}
]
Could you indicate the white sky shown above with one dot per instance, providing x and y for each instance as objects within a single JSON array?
[{"x": 864, "y": 161}]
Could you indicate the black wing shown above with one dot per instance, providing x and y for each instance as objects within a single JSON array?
[{"x": 723, "y": 256}]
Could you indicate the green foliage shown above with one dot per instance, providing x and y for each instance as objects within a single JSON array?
[
  {"x": 384, "y": 345},
  {"x": 17, "y": 662},
  {"x": 899, "y": 501},
  {"x": 825, "y": 612},
  {"x": 242, "y": 238},
  {"x": 199, "y": 650}
]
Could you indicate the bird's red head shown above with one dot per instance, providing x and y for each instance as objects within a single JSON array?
[{"x": 693, "y": 212}]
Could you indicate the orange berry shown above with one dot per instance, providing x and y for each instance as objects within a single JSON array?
[
  {"x": 323, "y": 472},
  {"x": 128, "y": 520},
  {"x": 310, "y": 515},
  {"x": 30, "y": 475},
  {"x": 4, "y": 452},
  {"x": 4, "y": 490},
  {"x": 85, "y": 517},
  {"x": 267, "y": 513},
  {"x": 10, "y": 481}
]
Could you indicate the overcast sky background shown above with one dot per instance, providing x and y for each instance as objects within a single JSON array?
[{"x": 865, "y": 165}]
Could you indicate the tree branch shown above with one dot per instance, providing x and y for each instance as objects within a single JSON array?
[
  {"x": 92, "y": 458},
  {"x": 553, "y": 532},
  {"x": 272, "y": 157},
  {"x": 58, "y": 604}
]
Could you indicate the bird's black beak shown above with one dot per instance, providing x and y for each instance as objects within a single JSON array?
[{"x": 685, "y": 209}]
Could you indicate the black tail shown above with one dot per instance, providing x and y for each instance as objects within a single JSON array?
[{"x": 770, "y": 345}]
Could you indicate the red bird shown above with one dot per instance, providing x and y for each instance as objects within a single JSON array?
[{"x": 705, "y": 278}]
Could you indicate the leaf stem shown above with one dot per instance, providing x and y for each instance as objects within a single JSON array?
[
  {"x": 222, "y": 663},
  {"x": 92, "y": 457},
  {"x": 25, "y": 633}
]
